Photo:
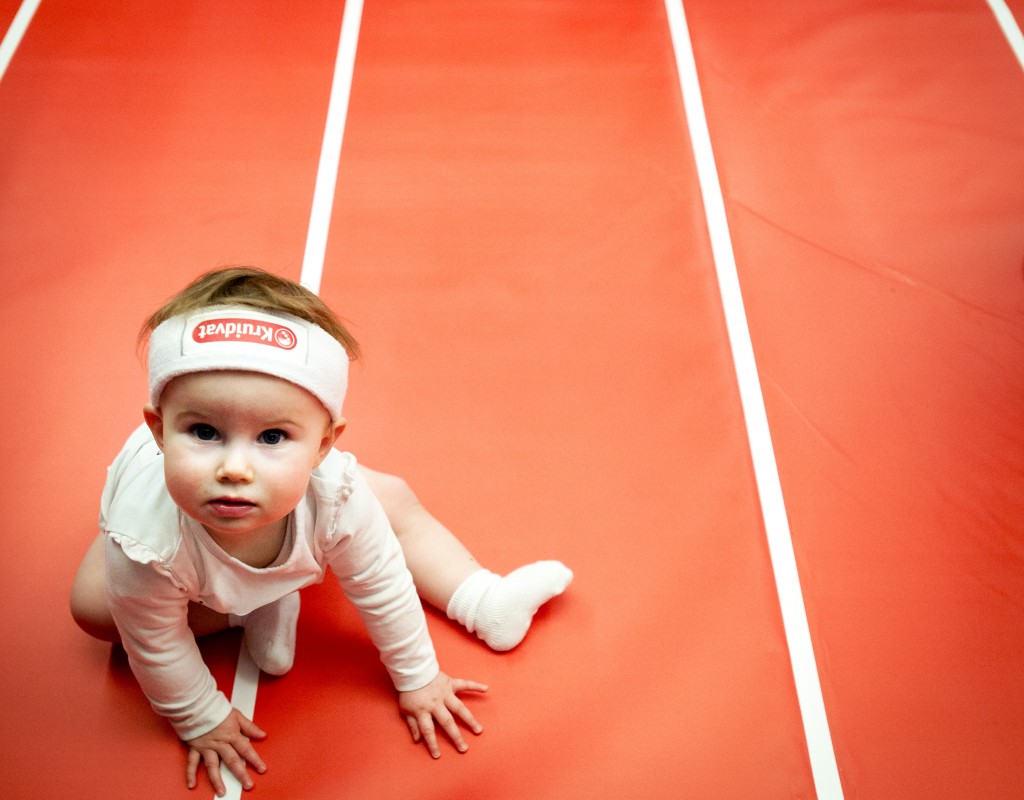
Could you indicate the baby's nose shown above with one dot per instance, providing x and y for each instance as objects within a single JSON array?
[{"x": 235, "y": 466}]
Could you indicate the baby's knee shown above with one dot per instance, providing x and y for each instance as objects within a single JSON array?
[
  {"x": 392, "y": 491},
  {"x": 90, "y": 611},
  {"x": 89, "y": 595}
]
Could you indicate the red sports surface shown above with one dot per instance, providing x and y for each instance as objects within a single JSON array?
[{"x": 519, "y": 243}]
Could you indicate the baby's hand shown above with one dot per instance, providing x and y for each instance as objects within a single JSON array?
[
  {"x": 227, "y": 743},
  {"x": 438, "y": 701}
]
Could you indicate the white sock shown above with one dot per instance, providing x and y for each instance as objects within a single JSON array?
[
  {"x": 500, "y": 609},
  {"x": 270, "y": 633}
]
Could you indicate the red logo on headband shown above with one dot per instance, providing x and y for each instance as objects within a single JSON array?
[{"x": 245, "y": 330}]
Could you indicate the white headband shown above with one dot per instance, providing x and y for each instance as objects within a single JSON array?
[{"x": 240, "y": 338}]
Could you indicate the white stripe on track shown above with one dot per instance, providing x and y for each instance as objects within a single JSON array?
[
  {"x": 15, "y": 33},
  {"x": 824, "y": 769},
  {"x": 330, "y": 150},
  {"x": 1011, "y": 30},
  {"x": 247, "y": 674},
  {"x": 243, "y": 697}
]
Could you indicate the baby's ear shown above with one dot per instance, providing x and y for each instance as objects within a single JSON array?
[
  {"x": 331, "y": 435},
  {"x": 155, "y": 423}
]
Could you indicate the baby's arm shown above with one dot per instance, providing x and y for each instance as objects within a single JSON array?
[
  {"x": 368, "y": 561},
  {"x": 151, "y": 615}
]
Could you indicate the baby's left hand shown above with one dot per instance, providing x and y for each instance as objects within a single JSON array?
[{"x": 438, "y": 701}]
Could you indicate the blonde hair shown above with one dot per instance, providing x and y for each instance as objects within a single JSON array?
[{"x": 252, "y": 288}]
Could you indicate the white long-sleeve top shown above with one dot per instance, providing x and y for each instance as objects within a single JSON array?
[{"x": 158, "y": 560}]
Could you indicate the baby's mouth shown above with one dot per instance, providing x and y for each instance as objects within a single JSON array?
[{"x": 231, "y": 506}]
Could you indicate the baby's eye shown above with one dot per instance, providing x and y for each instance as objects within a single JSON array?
[
  {"x": 273, "y": 436},
  {"x": 203, "y": 432}
]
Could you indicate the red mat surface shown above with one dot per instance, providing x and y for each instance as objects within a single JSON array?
[{"x": 519, "y": 242}]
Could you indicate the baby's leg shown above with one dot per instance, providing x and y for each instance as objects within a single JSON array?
[
  {"x": 89, "y": 595},
  {"x": 438, "y": 561},
  {"x": 498, "y": 609},
  {"x": 89, "y": 601},
  {"x": 270, "y": 631}
]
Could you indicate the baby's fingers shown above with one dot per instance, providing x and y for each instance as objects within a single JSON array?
[
  {"x": 451, "y": 727},
  {"x": 236, "y": 766},
  {"x": 191, "y": 768},
  {"x": 250, "y": 728},
  {"x": 461, "y": 685},
  {"x": 425, "y": 722},
  {"x": 457, "y": 707},
  {"x": 245, "y": 749},
  {"x": 212, "y": 762},
  {"x": 414, "y": 729}
]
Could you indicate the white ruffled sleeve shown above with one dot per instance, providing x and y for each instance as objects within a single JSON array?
[
  {"x": 150, "y": 609},
  {"x": 364, "y": 553}
]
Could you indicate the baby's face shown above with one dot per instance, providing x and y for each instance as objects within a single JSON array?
[{"x": 238, "y": 450}]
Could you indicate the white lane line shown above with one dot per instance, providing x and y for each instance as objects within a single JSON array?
[
  {"x": 15, "y": 32},
  {"x": 330, "y": 150},
  {"x": 243, "y": 697},
  {"x": 247, "y": 674},
  {"x": 824, "y": 769},
  {"x": 1011, "y": 30}
]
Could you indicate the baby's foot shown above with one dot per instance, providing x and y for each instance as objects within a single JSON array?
[
  {"x": 270, "y": 634},
  {"x": 500, "y": 609}
]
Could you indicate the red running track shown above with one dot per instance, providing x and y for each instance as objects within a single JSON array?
[{"x": 519, "y": 242}]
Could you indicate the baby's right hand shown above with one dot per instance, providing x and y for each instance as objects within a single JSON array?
[{"x": 228, "y": 743}]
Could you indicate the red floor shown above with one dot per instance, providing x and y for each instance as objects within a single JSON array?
[{"x": 519, "y": 243}]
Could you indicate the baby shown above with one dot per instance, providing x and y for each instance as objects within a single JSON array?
[{"x": 231, "y": 498}]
